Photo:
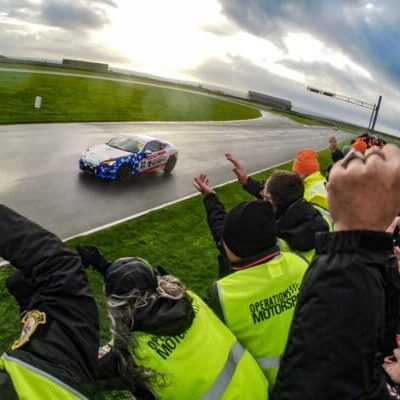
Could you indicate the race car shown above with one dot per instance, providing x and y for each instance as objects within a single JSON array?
[{"x": 126, "y": 155}]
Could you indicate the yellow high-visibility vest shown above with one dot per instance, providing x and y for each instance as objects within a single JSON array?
[
  {"x": 258, "y": 305},
  {"x": 206, "y": 362},
  {"x": 315, "y": 190},
  {"x": 31, "y": 383},
  {"x": 326, "y": 215},
  {"x": 306, "y": 255}
]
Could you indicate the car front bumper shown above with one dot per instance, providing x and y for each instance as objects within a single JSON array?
[{"x": 98, "y": 170}]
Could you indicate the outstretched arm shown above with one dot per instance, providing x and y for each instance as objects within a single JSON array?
[
  {"x": 251, "y": 186},
  {"x": 40, "y": 255},
  {"x": 59, "y": 288},
  {"x": 215, "y": 210}
]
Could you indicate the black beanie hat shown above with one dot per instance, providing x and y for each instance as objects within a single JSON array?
[
  {"x": 127, "y": 274},
  {"x": 250, "y": 228},
  {"x": 164, "y": 316}
]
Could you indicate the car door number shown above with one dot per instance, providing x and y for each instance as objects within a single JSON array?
[{"x": 144, "y": 164}]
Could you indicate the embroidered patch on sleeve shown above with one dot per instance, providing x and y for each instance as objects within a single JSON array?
[{"x": 31, "y": 320}]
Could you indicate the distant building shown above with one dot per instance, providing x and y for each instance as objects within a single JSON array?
[
  {"x": 86, "y": 65},
  {"x": 271, "y": 101}
]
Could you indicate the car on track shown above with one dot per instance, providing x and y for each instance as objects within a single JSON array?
[{"x": 128, "y": 154}]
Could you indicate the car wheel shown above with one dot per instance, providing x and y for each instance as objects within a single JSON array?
[
  {"x": 170, "y": 165},
  {"x": 124, "y": 173}
]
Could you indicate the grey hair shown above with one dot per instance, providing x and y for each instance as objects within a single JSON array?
[{"x": 122, "y": 311}]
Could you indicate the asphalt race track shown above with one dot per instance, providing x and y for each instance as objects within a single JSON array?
[{"x": 39, "y": 174}]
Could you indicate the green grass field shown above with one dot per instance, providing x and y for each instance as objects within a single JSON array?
[{"x": 69, "y": 98}]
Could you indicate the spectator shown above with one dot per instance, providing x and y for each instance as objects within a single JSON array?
[
  {"x": 338, "y": 326},
  {"x": 359, "y": 145},
  {"x": 256, "y": 301},
  {"x": 297, "y": 220},
  {"x": 306, "y": 165},
  {"x": 168, "y": 336},
  {"x": 336, "y": 153},
  {"x": 56, "y": 355}
]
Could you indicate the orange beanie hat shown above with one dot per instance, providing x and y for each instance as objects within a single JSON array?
[
  {"x": 306, "y": 162},
  {"x": 359, "y": 145}
]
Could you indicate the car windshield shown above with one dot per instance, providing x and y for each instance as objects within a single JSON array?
[{"x": 126, "y": 143}]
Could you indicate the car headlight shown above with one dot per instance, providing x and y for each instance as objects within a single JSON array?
[{"x": 108, "y": 163}]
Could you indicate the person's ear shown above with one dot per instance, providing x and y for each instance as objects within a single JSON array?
[{"x": 232, "y": 257}]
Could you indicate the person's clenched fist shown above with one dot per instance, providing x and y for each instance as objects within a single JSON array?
[{"x": 364, "y": 191}]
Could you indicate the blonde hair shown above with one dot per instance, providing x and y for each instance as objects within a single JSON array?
[{"x": 122, "y": 311}]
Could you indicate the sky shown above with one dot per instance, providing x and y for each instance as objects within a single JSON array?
[{"x": 350, "y": 47}]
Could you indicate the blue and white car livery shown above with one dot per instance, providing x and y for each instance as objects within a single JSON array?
[{"x": 126, "y": 155}]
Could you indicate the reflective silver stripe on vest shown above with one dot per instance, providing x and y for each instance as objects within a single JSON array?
[
  {"x": 45, "y": 375},
  {"x": 269, "y": 362},
  {"x": 225, "y": 376}
]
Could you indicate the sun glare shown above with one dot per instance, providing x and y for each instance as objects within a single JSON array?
[{"x": 163, "y": 34}]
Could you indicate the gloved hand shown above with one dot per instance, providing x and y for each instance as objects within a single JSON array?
[
  {"x": 161, "y": 270},
  {"x": 91, "y": 256}
]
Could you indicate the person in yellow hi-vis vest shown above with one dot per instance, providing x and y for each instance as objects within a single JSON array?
[
  {"x": 297, "y": 219},
  {"x": 306, "y": 165},
  {"x": 257, "y": 300},
  {"x": 167, "y": 339},
  {"x": 55, "y": 357}
]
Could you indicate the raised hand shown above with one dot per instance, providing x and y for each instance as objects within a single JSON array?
[
  {"x": 201, "y": 183},
  {"x": 238, "y": 168},
  {"x": 392, "y": 366},
  {"x": 364, "y": 190}
]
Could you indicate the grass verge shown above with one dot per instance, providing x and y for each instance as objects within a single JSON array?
[{"x": 71, "y": 98}]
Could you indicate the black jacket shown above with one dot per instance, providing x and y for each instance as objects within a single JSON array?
[
  {"x": 333, "y": 350},
  {"x": 298, "y": 224},
  {"x": 336, "y": 155},
  {"x": 216, "y": 214},
  {"x": 66, "y": 346},
  {"x": 392, "y": 308},
  {"x": 254, "y": 187}
]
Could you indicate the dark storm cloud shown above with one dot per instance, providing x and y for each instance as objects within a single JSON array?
[
  {"x": 369, "y": 36},
  {"x": 81, "y": 15},
  {"x": 73, "y": 15}
]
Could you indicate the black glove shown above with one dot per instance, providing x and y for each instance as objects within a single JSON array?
[
  {"x": 161, "y": 270},
  {"x": 91, "y": 256}
]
